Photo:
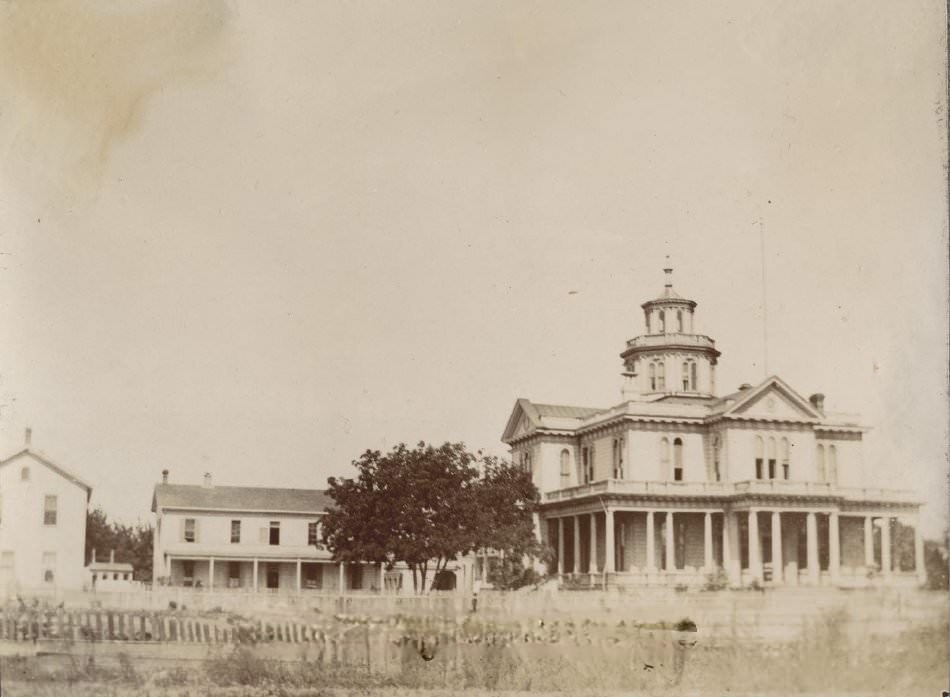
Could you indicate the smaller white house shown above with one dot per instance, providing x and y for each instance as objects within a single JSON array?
[
  {"x": 109, "y": 575},
  {"x": 42, "y": 523}
]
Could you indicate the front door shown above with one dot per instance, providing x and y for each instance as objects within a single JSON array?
[{"x": 273, "y": 576}]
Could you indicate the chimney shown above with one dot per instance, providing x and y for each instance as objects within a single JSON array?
[
  {"x": 818, "y": 401},
  {"x": 28, "y": 436},
  {"x": 93, "y": 555},
  {"x": 164, "y": 476},
  {"x": 112, "y": 556},
  {"x": 207, "y": 483}
]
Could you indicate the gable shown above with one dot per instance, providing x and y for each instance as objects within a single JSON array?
[
  {"x": 27, "y": 456},
  {"x": 775, "y": 401}
]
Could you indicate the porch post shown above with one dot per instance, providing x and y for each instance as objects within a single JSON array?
[
  {"x": 811, "y": 539},
  {"x": 834, "y": 547},
  {"x": 343, "y": 579},
  {"x": 778, "y": 567},
  {"x": 670, "y": 546},
  {"x": 868, "y": 542},
  {"x": 651, "y": 544},
  {"x": 730, "y": 547},
  {"x": 299, "y": 585},
  {"x": 577, "y": 544},
  {"x": 560, "y": 546},
  {"x": 592, "y": 558},
  {"x": 609, "y": 541},
  {"x": 708, "y": 542},
  {"x": 210, "y": 573},
  {"x": 255, "y": 574},
  {"x": 919, "y": 565},
  {"x": 886, "y": 545},
  {"x": 755, "y": 551}
]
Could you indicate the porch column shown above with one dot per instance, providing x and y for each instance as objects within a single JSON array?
[
  {"x": 343, "y": 578},
  {"x": 651, "y": 544},
  {"x": 708, "y": 542},
  {"x": 755, "y": 549},
  {"x": 778, "y": 566},
  {"x": 886, "y": 546},
  {"x": 577, "y": 544},
  {"x": 592, "y": 558},
  {"x": 254, "y": 563},
  {"x": 868, "y": 542},
  {"x": 560, "y": 546},
  {"x": 609, "y": 541},
  {"x": 210, "y": 573},
  {"x": 834, "y": 548},
  {"x": 730, "y": 547},
  {"x": 299, "y": 585},
  {"x": 670, "y": 546},
  {"x": 919, "y": 565},
  {"x": 811, "y": 540}
]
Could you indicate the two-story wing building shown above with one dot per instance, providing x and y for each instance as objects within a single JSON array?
[
  {"x": 675, "y": 484},
  {"x": 252, "y": 538},
  {"x": 42, "y": 524}
]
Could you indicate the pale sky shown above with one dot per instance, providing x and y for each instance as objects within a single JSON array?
[{"x": 256, "y": 239}]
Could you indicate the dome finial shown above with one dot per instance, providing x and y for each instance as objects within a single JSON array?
[{"x": 669, "y": 272}]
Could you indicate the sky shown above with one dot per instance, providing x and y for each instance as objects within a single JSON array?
[{"x": 257, "y": 239}]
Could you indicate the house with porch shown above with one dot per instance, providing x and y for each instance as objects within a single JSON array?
[
  {"x": 247, "y": 538},
  {"x": 678, "y": 485}
]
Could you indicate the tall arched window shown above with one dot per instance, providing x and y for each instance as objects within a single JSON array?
[
  {"x": 678, "y": 460},
  {"x": 785, "y": 458},
  {"x": 664, "y": 455},
  {"x": 832, "y": 464},
  {"x": 692, "y": 376},
  {"x": 772, "y": 458},
  {"x": 717, "y": 454},
  {"x": 565, "y": 467},
  {"x": 661, "y": 376},
  {"x": 662, "y": 322},
  {"x": 820, "y": 464},
  {"x": 653, "y": 377},
  {"x": 759, "y": 457},
  {"x": 685, "y": 376},
  {"x": 679, "y": 321},
  {"x": 618, "y": 458}
]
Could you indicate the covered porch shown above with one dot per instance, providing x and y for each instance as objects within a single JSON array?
[{"x": 253, "y": 574}]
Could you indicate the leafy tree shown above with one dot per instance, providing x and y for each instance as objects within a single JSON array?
[
  {"x": 131, "y": 543},
  {"x": 937, "y": 563},
  {"x": 426, "y": 506}
]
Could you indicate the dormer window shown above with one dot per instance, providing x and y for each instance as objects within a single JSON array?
[
  {"x": 771, "y": 458},
  {"x": 565, "y": 467}
]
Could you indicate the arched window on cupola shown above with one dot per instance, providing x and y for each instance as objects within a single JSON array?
[
  {"x": 832, "y": 464},
  {"x": 679, "y": 321},
  {"x": 785, "y": 458},
  {"x": 661, "y": 376},
  {"x": 772, "y": 458},
  {"x": 692, "y": 376},
  {"x": 759, "y": 456},
  {"x": 685, "y": 376},
  {"x": 653, "y": 377},
  {"x": 618, "y": 458},
  {"x": 820, "y": 464},
  {"x": 662, "y": 322},
  {"x": 565, "y": 468},
  {"x": 717, "y": 455},
  {"x": 678, "y": 460}
]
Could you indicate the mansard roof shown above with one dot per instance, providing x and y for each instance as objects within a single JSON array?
[{"x": 240, "y": 498}]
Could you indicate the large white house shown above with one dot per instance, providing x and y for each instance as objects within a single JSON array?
[
  {"x": 42, "y": 523},
  {"x": 678, "y": 485}
]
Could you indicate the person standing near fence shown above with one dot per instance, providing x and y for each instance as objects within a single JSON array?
[{"x": 476, "y": 586}]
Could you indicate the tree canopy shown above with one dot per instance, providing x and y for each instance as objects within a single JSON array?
[
  {"x": 426, "y": 506},
  {"x": 131, "y": 543}
]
